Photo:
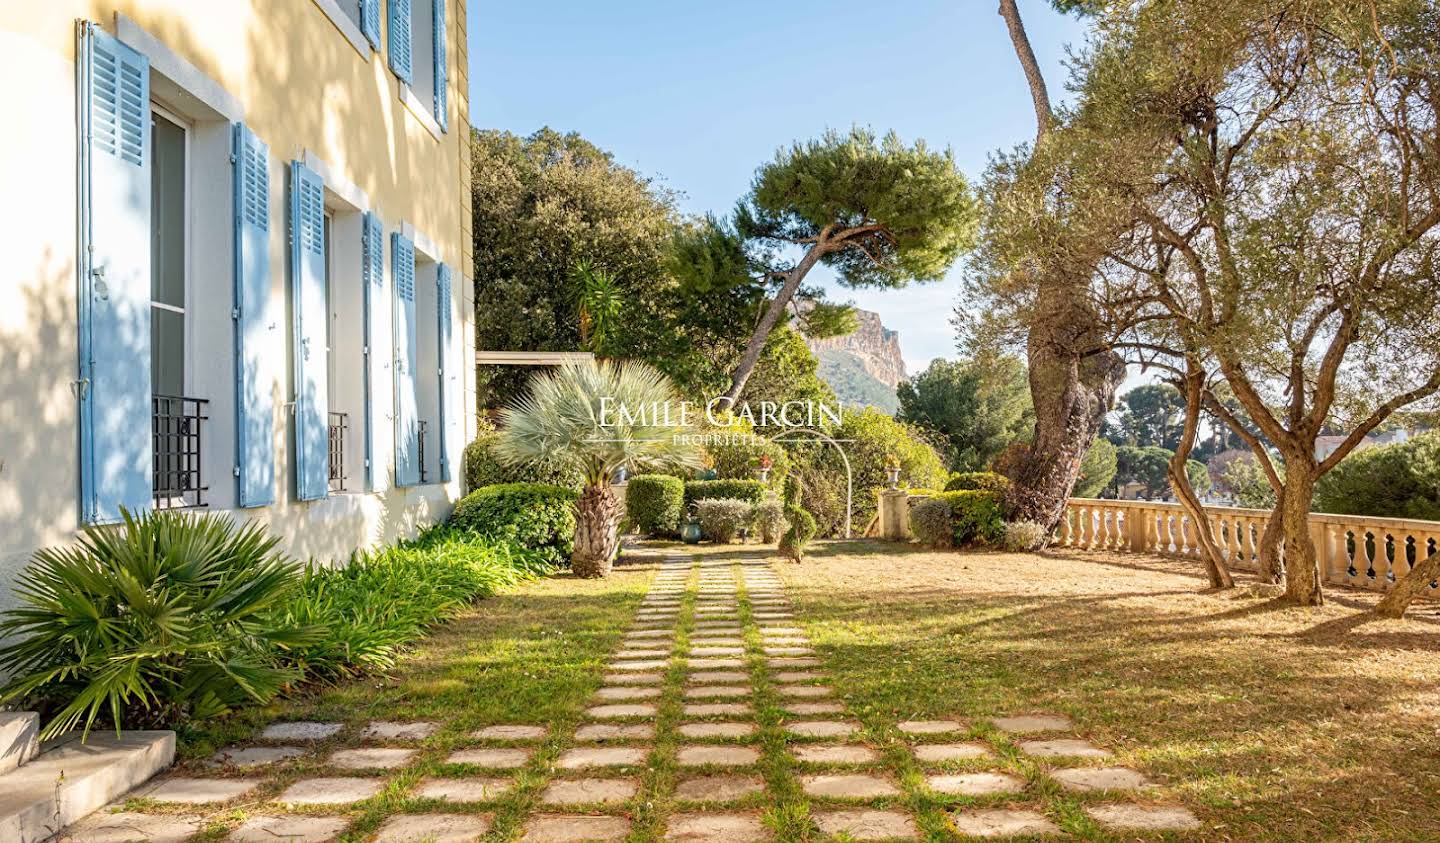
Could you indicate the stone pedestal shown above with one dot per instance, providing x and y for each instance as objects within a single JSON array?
[{"x": 895, "y": 515}]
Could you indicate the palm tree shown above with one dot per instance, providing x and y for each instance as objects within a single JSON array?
[{"x": 573, "y": 415}]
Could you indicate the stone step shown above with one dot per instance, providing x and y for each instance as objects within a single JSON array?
[
  {"x": 18, "y": 743},
  {"x": 70, "y": 779}
]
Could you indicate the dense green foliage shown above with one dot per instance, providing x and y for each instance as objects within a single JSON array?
[
  {"x": 1246, "y": 482},
  {"x": 538, "y": 516},
  {"x": 736, "y": 452},
  {"x": 770, "y": 519},
  {"x": 975, "y": 406},
  {"x": 1401, "y": 480},
  {"x": 959, "y": 519},
  {"x": 373, "y": 607},
  {"x": 985, "y": 481},
  {"x": 481, "y": 468},
  {"x": 1097, "y": 469},
  {"x": 721, "y": 519},
  {"x": 801, "y": 527},
  {"x": 654, "y": 503},
  {"x": 750, "y": 491},
  {"x": 930, "y": 522},
  {"x": 787, "y": 371}
]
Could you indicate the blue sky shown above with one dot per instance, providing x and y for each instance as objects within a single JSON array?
[{"x": 699, "y": 94}]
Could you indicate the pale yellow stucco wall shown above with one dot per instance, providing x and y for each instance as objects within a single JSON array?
[{"x": 303, "y": 87}]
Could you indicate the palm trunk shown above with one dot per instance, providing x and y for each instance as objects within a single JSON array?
[
  {"x": 597, "y": 528},
  {"x": 1180, "y": 480},
  {"x": 1411, "y": 586}
]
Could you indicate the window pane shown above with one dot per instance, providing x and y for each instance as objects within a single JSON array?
[
  {"x": 167, "y": 214},
  {"x": 167, "y": 351}
]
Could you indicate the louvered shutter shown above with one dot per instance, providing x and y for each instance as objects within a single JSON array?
[
  {"x": 370, "y": 21},
  {"x": 444, "y": 372},
  {"x": 255, "y": 325},
  {"x": 309, "y": 308},
  {"x": 373, "y": 278},
  {"x": 400, "y": 53},
  {"x": 116, "y": 451},
  {"x": 442, "y": 113},
  {"x": 407, "y": 426}
]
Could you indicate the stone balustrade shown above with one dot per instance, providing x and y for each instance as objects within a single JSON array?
[{"x": 1353, "y": 550}]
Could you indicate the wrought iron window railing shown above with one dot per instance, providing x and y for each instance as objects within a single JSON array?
[
  {"x": 176, "y": 423},
  {"x": 420, "y": 449},
  {"x": 339, "y": 425}
]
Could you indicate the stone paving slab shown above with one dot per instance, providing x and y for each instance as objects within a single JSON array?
[
  {"x": 195, "y": 791},
  {"x": 804, "y": 690},
  {"x": 605, "y": 756},
  {"x": 634, "y": 679},
  {"x": 848, "y": 786},
  {"x": 929, "y": 727},
  {"x": 370, "y": 759},
  {"x": 793, "y": 661},
  {"x": 721, "y": 756},
  {"x": 718, "y": 788},
  {"x": 1033, "y": 723},
  {"x": 510, "y": 732},
  {"x": 822, "y": 728},
  {"x": 657, "y": 653},
  {"x": 615, "y": 732},
  {"x": 588, "y": 791},
  {"x": 433, "y": 828},
  {"x": 301, "y": 731},
  {"x": 716, "y": 709},
  {"x": 648, "y": 634},
  {"x": 129, "y": 826},
  {"x": 975, "y": 784},
  {"x": 709, "y": 662},
  {"x": 721, "y": 676},
  {"x": 628, "y": 692},
  {"x": 1002, "y": 822},
  {"x": 289, "y": 829},
  {"x": 642, "y": 665},
  {"x": 866, "y": 824},
  {"x": 791, "y": 676},
  {"x": 330, "y": 791},
  {"x": 717, "y": 651},
  {"x": 574, "y": 828},
  {"x": 716, "y": 828},
  {"x": 716, "y": 730},
  {"x": 385, "y": 730},
  {"x": 1063, "y": 748},
  {"x": 1143, "y": 817},
  {"x": 716, "y": 691},
  {"x": 835, "y": 754},
  {"x": 464, "y": 790},
  {"x": 935, "y": 753},
  {"x": 1085, "y": 779},
  {"x": 773, "y": 650},
  {"x": 805, "y": 709},
  {"x": 499, "y": 759},
  {"x": 255, "y": 756},
  {"x": 623, "y": 710}
]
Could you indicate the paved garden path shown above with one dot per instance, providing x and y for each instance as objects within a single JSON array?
[{"x": 716, "y": 721}]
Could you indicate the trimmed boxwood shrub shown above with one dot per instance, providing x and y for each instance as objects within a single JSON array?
[
  {"x": 537, "y": 516},
  {"x": 722, "y": 518},
  {"x": 654, "y": 503},
  {"x": 974, "y": 517},
  {"x": 750, "y": 491},
  {"x": 480, "y": 468},
  {"x": 985, "y": 481},
  {"x": 930, "y": 522}
]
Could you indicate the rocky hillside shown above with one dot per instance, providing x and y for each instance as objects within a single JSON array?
[{"x": 863, "y": 367}]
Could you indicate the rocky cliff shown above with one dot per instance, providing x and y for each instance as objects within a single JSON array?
[{"x": 875, "y": 346}]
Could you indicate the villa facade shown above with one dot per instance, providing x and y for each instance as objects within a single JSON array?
[{"x": 238, "y": 241}]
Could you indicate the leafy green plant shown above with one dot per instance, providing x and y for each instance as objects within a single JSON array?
[
  {"x": 536, "y": 516},
  {"x": 987, "y": 481},
  {"x": 167, "y": 617},
  {"x": 977, "y": 517},
  {"x": 598, "y": 305},
  {"x": 930, "y": 522},
  {"x": 721, "y": 519},
  {"x": 654, "y": 503},
  {"x": 481, "y": 468},
  {"x": 802, "y": 523},
  {"x": 752, "y": 491}
]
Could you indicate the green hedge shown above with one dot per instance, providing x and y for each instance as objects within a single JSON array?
[
  {"x": 975, "y": 517},
  {"x": 537, "y": 516},
  {"x": 480, "y": 468},
  {"x": 654, "y": 503},
  {"x": 751, "y": 491},
  {"x": 985, "y": 481}
]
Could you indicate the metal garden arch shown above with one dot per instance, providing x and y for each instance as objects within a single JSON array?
[{"x": 849, "y": 476}]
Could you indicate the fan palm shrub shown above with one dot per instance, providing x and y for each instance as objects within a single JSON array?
[
  {"x": 573, "y": 415},
  {"x": 163, "y": 618}
]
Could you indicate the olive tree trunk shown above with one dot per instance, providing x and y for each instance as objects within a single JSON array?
[
  {"x": 1272, "y": 567},
  {"x": 1411, "y": 586},
  {"x": 597, "y": 532},
  {"x": 1302, "y": 570},
  {"x": 1210, "y": 553}
]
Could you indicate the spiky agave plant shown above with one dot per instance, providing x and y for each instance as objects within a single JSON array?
[{"x": 596, "y": 417}]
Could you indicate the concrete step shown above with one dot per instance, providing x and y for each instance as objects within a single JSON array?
[
  {"x": 18, "y": 744},
  {"x": 69, "y": 779}
]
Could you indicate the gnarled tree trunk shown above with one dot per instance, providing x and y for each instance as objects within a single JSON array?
[
  {"x": 1410, "y": 586},
  {"x": 597, "y": 532},
  {"x": 1302, "y": 571},
  {"x": 1272, "y": 567},
  {"x": 1210, "y": 553}
]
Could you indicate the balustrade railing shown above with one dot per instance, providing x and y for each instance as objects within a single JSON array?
[{"x": 1353, "y": 550}]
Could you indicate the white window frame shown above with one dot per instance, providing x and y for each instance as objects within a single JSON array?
[
  {"x": 349, "y": 27},
  {"x": 187, "y": 244}
]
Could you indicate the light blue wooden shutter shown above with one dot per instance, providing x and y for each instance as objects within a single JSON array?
[
  {"x": 400, "y": 52},
  {"x": 116, "y": 452},
  {"x": 312, "y": 388},
  {"x": 442, "y": 356},
  {"x": 255, "y": 334},
  {"x": 373, "y": 278},
  {"x": 370, "y": 21},
  {"x": 407, "y": 425},
  {"x": 442, "y": 113}
]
